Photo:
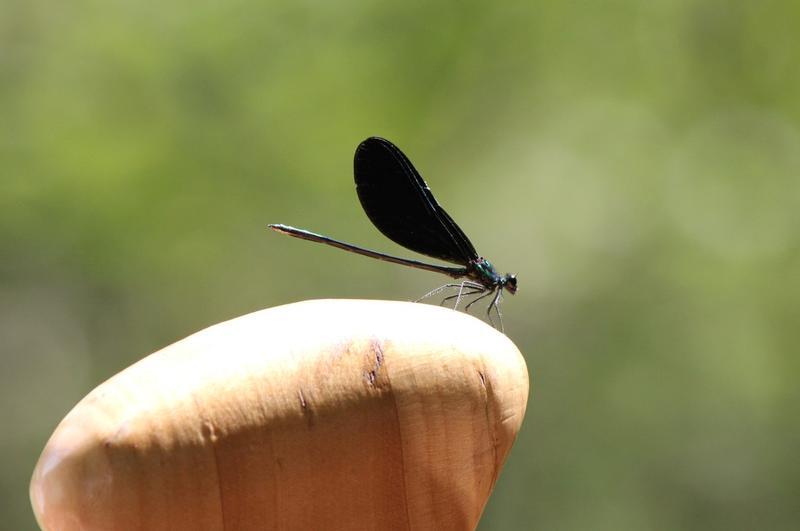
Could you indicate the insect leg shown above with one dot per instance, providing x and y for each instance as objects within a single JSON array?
[
  {"x": 495, "y": 304},
  {"x": 488, "y": 292},
  {"x": 433, "y": 292},
  {"x": 462, "y": 292}
]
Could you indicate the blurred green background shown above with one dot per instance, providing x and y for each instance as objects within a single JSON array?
[{"x": 637, "y": 164}]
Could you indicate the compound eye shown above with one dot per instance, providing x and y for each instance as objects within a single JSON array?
[{"x": 511, "y": 283}]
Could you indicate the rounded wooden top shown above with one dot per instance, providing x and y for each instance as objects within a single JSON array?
[{"x": 325, "y": 414}]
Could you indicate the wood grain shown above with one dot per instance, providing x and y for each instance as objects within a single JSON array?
[{"x": 328, "y": 414}]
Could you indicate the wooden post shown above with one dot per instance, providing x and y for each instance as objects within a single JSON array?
[{"x": 328, "y": 414}]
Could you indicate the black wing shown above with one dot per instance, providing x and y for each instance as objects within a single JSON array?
[{"x": 400, "y": 204}]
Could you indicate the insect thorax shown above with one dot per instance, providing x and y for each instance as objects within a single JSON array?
[{"x": 484, "y": 272}]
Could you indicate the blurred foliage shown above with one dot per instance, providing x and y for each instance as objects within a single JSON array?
[{"x": 637, "y": 164}]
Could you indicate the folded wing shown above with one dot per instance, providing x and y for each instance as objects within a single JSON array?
[{"x": 399, "y": 203}]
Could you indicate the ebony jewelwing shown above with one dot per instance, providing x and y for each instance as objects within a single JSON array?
[{"x": 399, "y": 203}]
